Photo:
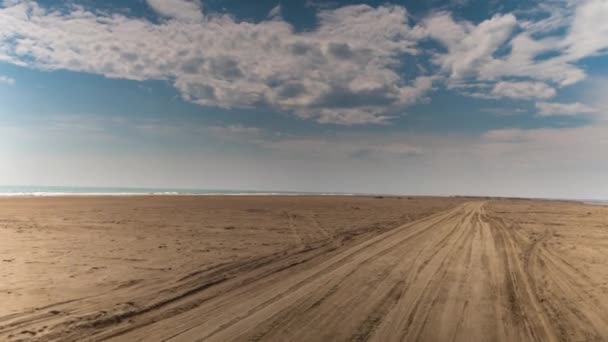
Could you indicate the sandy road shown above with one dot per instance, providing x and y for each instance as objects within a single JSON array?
[
  {"x": 384, "y": 289},
  {"x": 459, "y": 275},
  {"x": 432, "y": 280}
]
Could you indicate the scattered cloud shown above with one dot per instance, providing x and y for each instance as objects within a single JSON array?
[
  {"x": 588, "y": 33},
  {"x": 190, "y": 10},
  {"x": 470, "y": 47},
  {"x": 506, "y": 47},
  {"x": 275, "y": 12},
  {"x": 347, "y": 70},
  {"x": 504, "y": 111},
  {"x": 523, "y": 90},
  {"x": 563, "y": 109},
  {"x": 342, "y": 72},
  {"x": 7, "y": 80}
]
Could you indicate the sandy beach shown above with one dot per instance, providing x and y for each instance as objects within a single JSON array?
[{"x": 302, "y": 268}]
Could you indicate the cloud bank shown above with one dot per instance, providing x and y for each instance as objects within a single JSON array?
[
  {"x": 347, "y": 70},
  {"x": 341, "y": 72}
]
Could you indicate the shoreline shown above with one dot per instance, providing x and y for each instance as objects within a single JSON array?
[{"x": 134, "y": 194}]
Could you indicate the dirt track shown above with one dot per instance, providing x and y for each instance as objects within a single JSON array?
[{"x": 465, "y": 274}]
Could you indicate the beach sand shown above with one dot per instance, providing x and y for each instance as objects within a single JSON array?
[{"x": 302, "y": 268}]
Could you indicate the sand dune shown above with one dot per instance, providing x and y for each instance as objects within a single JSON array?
[{"x": 303, "y": 269}]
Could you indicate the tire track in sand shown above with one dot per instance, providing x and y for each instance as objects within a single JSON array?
[
  {"x": 460, "y": 275},
  {"x": 258, "y": 302},
  {"x": 410, "y": 263}
]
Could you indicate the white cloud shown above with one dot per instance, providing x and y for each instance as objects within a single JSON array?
[
  {"x": 178, "y": 9},
  {"x": 342, "y": 72},
  {"x": 469, "y": 46},
  {"x": 472, "y": 51},
  {"x": 7, "y": 80},
  {"x": 504, "y": 46},
  {"x": 346, "y": 115},
  {"x": 556, "y": 15},
  {"x": 523, "y": 90},
  {"x": 563, "y": 109},
  {"x": 588, "y": 34},
  {"x": 347, "y": 70},
  {"x": 523, "y": 62}
]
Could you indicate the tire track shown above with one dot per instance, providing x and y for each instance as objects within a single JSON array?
[
  {"x": 197, "y": 324},
  {"x": 466, "y": 274},
  {"x": 329, "y": 273},
  {"x": 294, "y": 232},
  {"x": 370, "y": 256}
]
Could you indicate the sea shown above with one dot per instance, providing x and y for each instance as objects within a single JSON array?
[
  {"x": 21, "y": 191},
  {"x": 596, "y": 202}
]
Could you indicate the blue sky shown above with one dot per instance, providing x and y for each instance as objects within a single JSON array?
[{"x": 420, "y": 97}]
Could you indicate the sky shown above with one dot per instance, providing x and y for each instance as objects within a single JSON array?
[{"x": 454, "y": 97}]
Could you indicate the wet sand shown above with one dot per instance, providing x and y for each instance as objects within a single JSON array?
[{"x": 302, "y": 268}]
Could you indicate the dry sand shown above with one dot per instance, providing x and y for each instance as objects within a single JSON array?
[{"x": 302, "y": 268}]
